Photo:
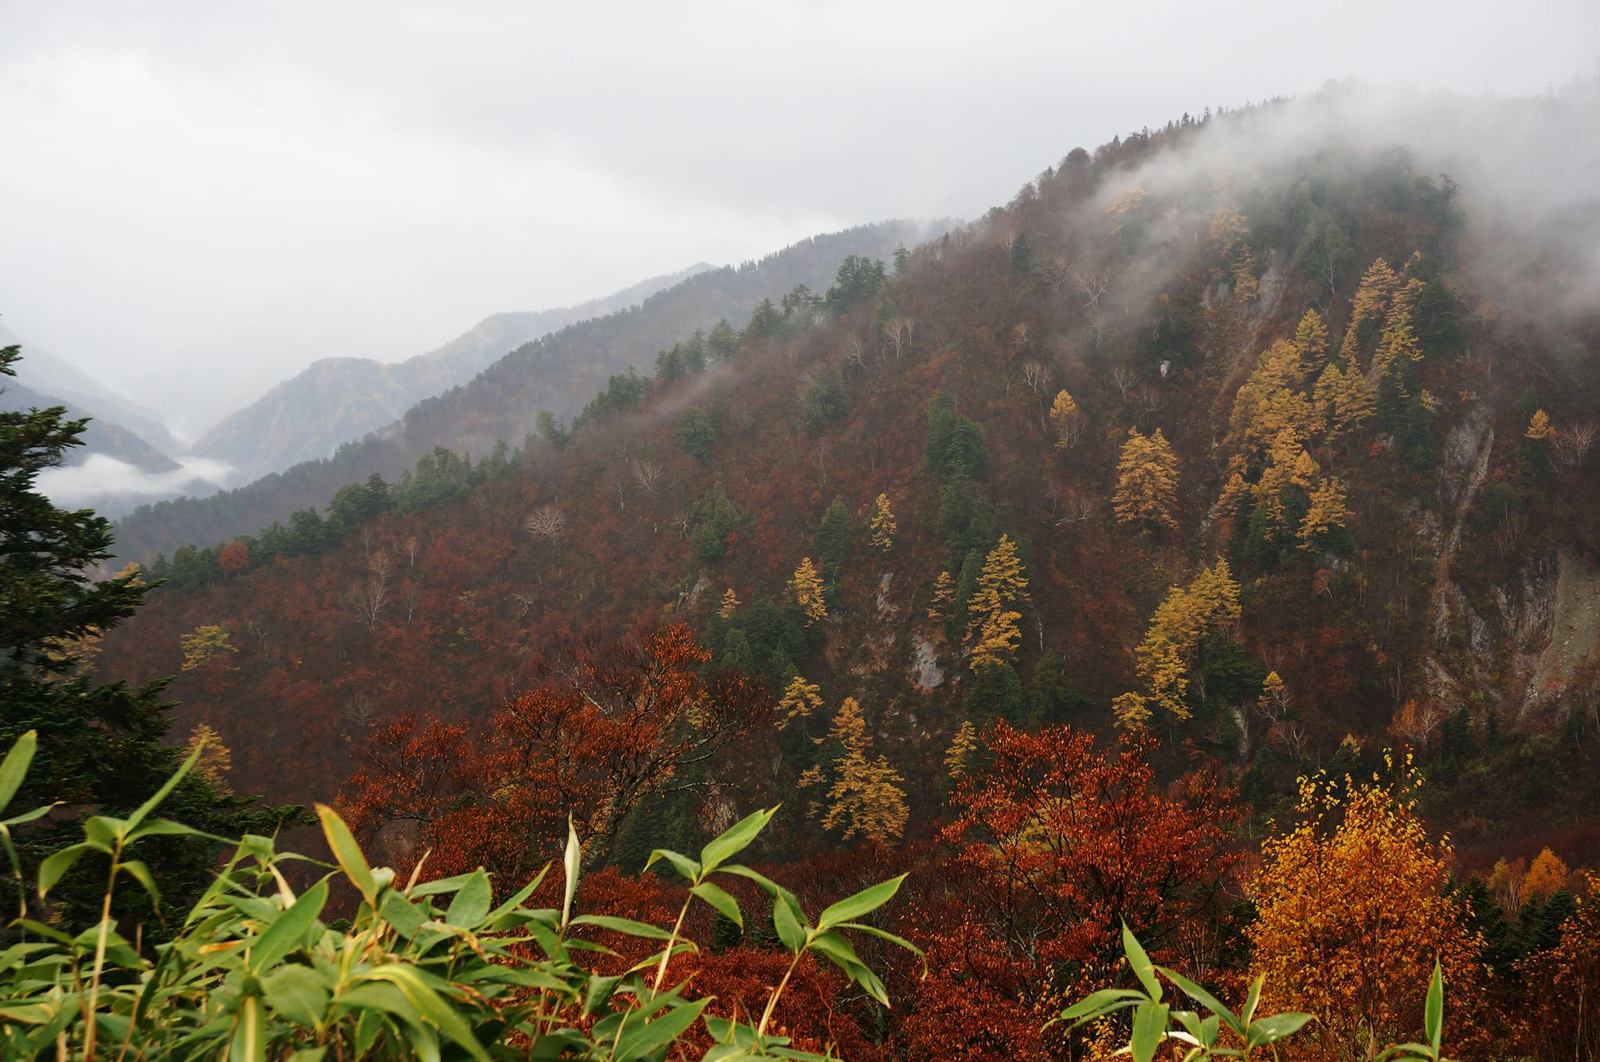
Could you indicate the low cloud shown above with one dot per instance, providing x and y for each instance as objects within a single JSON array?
[{"x": 112, "y": 485}]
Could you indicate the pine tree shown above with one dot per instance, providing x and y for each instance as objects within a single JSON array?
[
  {"x": 835, "y": 537},
  {"x": 1147, "y": 482},
  {"x": 100, "y": 746},
  {"x": 730, "y": 603},
  {"x": 881, "y": 524},
  {"x": 1539, "y": 427},
  {"x": 944, "y": 593},
  {"x": 806, "y": 589}
]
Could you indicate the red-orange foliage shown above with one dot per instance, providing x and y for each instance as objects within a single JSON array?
[
  {"x": 617, "y": 726},
  {"x": 234, "y": 557},
  {"x": 1057, "y": 843}
]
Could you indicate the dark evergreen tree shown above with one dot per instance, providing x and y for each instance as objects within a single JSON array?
[{"x": 100, "y": 745}]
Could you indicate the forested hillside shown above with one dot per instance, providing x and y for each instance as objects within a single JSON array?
[
  {"x": 557, "y": 374},
  {"x": 1215, "y": 458}
]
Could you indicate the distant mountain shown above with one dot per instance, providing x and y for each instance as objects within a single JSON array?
[
  {"x": 46, "y": 374},
  {"x": 336, "y": 400},
  {"x": 557, "y": 373},
  {"x": 103, "y": 437}
]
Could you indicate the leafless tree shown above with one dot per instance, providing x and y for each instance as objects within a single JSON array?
[
  {"x": 411, "y": 599},
  {"x": 359, "y": 715},
  {"x": 1056, "y": 273},
  {"x": 1508, "y": 532},
  {"x": 1124, "y": 378},
  {"x": 368, "y": 595},
  {"x": 619, "y": 487},
  {"x": 1290, "y": 737},
  {"x": 1572, "y": 444},
  {"x": 1150, "y": 399},
  {"x": 1076, "y": 508},
  {"x": 547, "y": 523},
  {"x": 647, "y": 474},
  {"x": 1036, "y": 377},
  {"x": 894, "y": 333}
]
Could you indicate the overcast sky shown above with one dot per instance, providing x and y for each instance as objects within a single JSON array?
[{"x": 197, "y": 199}]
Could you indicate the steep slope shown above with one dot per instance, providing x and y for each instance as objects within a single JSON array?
[
  {"x": 335, "y": 400},
  {"x": 1412, "y": 528},
  {"x": 556, "y": 373},
  {"x": 103, "y": 437},
  {"x": 47, "y": 374}
]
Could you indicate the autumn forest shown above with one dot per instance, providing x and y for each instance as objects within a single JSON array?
[{"x": 1186, "y": 576}]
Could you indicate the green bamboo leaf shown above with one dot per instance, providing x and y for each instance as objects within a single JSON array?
[
  {"x": 289, "y": 929},
  {"x": 642, "y": 1041},
  {"x": 1149, "y": 1029},
  {"x": 734, "y": 839},
  {"x": 249, "y": 1040},
  {"x": 297, "y": 993},
  {"x": 161, "y": 794},
  {"x": 623, "y": 925},
  {"x": 770, "y": 887},
  {"x": 864, "y": 902},
  {"x": 786, "y": 919},
  {"x": 15, "y": 766},
  {"x": 1204, "y": 998},
  {"x": 136, "y": 870},
  {"x": 1275, "y": 1027},
  {"x": 429, "y": 1004},
  {"x": 687, "y": 868},
  {"x": 874, "y": 931},
  {"x": 1098, "y": 1004},
  {"x": 29, "y": 816},
  {"x": 348, "y": 854},
  {"x": 719, "y": 899},
  {"x": 1433, "y": 1010},
  {"x": 57, "y": 864},
  {"x": 471, "y": 904},
  {"x": 1140, "y": 963},
  {"x": 569, "y": 863}
]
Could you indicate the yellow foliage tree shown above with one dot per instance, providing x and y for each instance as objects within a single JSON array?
[
  {"x": 867, "y": 796},
  {"x": 996, "y": 633},
  {"x": 204, "y": 644},
  {"x": 1245, "y": 286},
  {"x": 1547, "y": 875},
  {"x": 806, "y": 589},
  {"x": 1539, "y": 427},
  {"x": 1147, "y": 481},
  {"x": 1064, "y": 417},
  {"x": 1130, "y": 711},
  {"x": 961, "y": 749},
  {"x": 730, "y": 603},
  {"x": 1003, "y": 573},
  {"x": 1311, "y": 339},
  {"x": 1344, "y": 399},
  {"x": 216, "y": 759},
  {"x": 1352, "y": 907},
  {"x": 800, "y": 698},
  {"x": 881, "y": 524},
  {"x": 944, "y": 595},
  {"x": 1164, "y": 657},
  {"x": 1327, "y": 510},
  {"x": 1373, "y": 294}
]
